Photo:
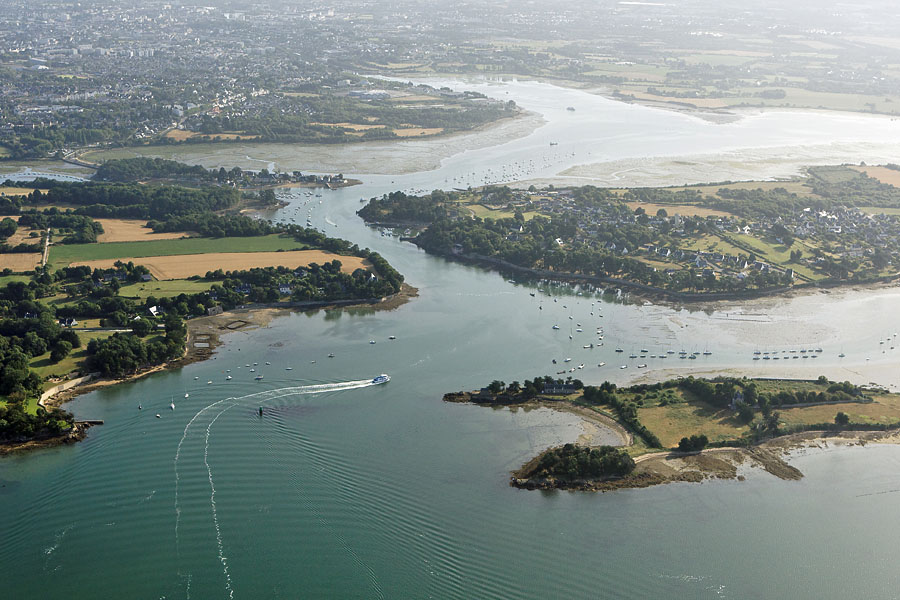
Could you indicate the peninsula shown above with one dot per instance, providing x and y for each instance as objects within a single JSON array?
[
  {"x": 838, "y": 225},
  {"x": 691, "y": 429},
  {"x": 102, "y": 279}
]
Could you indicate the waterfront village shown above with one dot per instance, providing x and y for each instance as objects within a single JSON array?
[
  {"x": 841, "y": 226},
  {"x": 855, "y": 235}
]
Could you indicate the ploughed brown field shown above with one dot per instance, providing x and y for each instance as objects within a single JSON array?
[
  {"x": 181, "y": 135},
  {"x": 21, "y": 236},
  {"x": 352, "y": 126},
  {"x": 132, "y": 230},
  {"x": 882, "y": 174},
  {"x": 20, "y": 261},
  {"x": 417, "y": 131},
  {"x": 183, "y": 266}
]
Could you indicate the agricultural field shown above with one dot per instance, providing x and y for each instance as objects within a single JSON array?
[
  {"x": 351, "y": 126},
  {"x": 794, "y": 186},
  {"x": 8, "y": 190},
  {"x": 20, "y": 262},
  {"x": 630, "y": 71},
  {"x": 184, "y": 266},
  {"x": 22, "y": 236},
  {"x": 885, "y": 409},
  {"x": 181, "y": 135},
  {"x": 63, "y": 255},
  {"x": 417, "y": 131},
  {"x": 132, "y": 230},
  {"x": 882, "y": 174},
  {"x": 878, "y": 210}
]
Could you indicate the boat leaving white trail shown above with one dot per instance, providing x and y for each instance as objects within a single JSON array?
[{"x": 231, "y": 402}]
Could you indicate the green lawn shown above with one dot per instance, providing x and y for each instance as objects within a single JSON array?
[
  {"x": 671, "y": 423},
  {"x": 31, "y": 405},
  {"x": 62, "y": 255},
  {"x": 6, "y": 279},
  {"x": 44, "y": 368},
  {"x": 878, "y": 210},
  {"x": 163, "y": 289},
  {"x": 481, "y": 211},
  {"x": 779, "y": 254},
  {"x": 711, "y": 243}
]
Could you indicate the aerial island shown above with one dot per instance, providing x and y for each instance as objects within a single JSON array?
[
  {"x": 691, "y": 429},
  {"x": 109, "y": 280},
  {"x": 837, "y": 225}
]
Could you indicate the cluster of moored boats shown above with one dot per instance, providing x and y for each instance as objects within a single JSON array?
[{"x": 789, "y": 354}]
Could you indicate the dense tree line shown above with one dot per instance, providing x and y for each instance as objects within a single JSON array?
[
  {"x": 140, "y": 168},
  {"x": 18, "y": 425},
  {"x": 308, "y": 283},
  {"x": 213, "y": 225},
  {"x": 28, "y": 328},
  {"x": 694, "y": 443},
  {"x": 720, "y": 392},
  {"x": 84, "y": 229},
  {"x": 626, "y": 410},
  {"x": 126, "y": 353},
  {"x": 134, "y": 201},
  {"x": 401, "y": 207}
]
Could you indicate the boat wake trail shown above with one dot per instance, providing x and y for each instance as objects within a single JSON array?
[
  {"x": 231, "y": 402},
  {"x": 212, "y": 501}
]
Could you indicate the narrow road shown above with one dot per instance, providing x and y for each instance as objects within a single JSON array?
[{"x": 46, "y": 249}]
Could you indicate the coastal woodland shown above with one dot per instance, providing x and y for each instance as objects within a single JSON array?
[{"x": 71, "y": 316}]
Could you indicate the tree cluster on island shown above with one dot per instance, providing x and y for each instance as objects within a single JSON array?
[{"x": 572, "y": 463}]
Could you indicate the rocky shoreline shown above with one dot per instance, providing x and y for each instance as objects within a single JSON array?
[
  {"x": 77, "y": 433},
  {"x": 672, "y": 467}
]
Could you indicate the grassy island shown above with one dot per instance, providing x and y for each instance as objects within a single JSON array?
[
  {"x": 840, "y": 225},
  {"x": 690, "y": 429}
]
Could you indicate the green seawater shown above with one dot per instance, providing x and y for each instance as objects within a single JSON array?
[{"x": 342, "y": 489}]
